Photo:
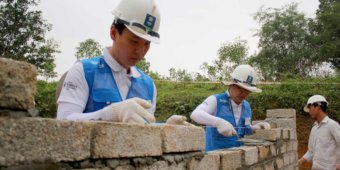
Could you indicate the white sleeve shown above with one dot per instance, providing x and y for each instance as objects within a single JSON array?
[
  {"x": 75, "y": 89},
  {"x": 69, "y": 111},
  {"x": 73, "y": 96},
  {"x": 153, "y": 107},
  {"x": 205, "y": 112}
]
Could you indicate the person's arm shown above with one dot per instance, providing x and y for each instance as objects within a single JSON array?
[
  {"x": 73, "y": 99},
  {"x": 205, "y": 114}
]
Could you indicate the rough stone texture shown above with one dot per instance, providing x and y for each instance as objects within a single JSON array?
[
  {"x": 263, "y": 152},
  {"x": 284, "y": 123},
  {"x": 115, "y": 140},
  {"x": 281, "y": 113},
  {"x": 269, "y": 165},
  {"x": 177, "y": 138},
  {"x": 250, "y": 154},
  {"x": 17, "y": 84},
  {"x": 209, "y": 161},
  {"x": 279, "y": 163},
  {"x": 268, "y": 134},
  {"x": 27, "y": 140},
  {"x": 230, "y": 159},
  {"x": 285, "y": 133}
]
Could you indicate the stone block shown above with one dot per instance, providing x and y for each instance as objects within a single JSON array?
[
  {"x": 209, "y": 161},
  {"x": 292, "y": 134},
  {"x": 230, "y": 159},
  {"x": 177, "y": 138},
  {"x": 116, "y": 140},
  {"x": 290, "y": 145},
  {"x": 286, "y": 159},
  {"x": 281, "y": 113},
  {"x": 279, "y": 162},
  {"x": 263, "y": 152},
  {"x": 27, "y": 140},
  {"x": 261, "y": 134},
  {"x": 250, "y": 154},
  {"x": 285, "y": 134},
  {"x": 273, "y": 150},
  {"x": 269, "y": 165},
  {"x": 17, "y": 84},
  {"x": 283, "y": 147},
  {"x": 283, "y": 123},
  {"x": 295, "y": 145}
]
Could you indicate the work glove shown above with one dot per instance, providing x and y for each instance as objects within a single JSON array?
[
  {"x": 178, "y": 120},
  {"x": 225, "y": 128},
  {"x": 261, "y": 125},
  {"x": 129, "y": 111}
]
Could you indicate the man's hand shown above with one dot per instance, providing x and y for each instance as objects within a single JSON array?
[
  {"x": 130, "y": 111},
  {"x": 261, "y": 125},
  {"x": 225, "y": 128},
  {"x": 178, "y": 120}
]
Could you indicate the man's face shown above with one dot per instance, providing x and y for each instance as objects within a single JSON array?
[
  {"x": 238, "y": 94},
  {"x": 129, "y": 49},
  {"x": 313, "y": 111}
]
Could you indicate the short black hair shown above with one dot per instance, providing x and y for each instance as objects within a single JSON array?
[
  {"x": 323, "y": 105},
  {"x": 119, "y": 26}
]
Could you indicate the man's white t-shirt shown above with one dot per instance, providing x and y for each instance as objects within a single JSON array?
[{"x": 74, "y": 94}]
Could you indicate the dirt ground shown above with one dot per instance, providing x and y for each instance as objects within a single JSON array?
[{"x": 303, "y": 127}]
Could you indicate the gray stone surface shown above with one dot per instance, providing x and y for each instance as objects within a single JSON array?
[
  {"x": 268, "y": 134},
  {"x": 283, "y": 123},
  {"x": 17, "y": 84},
  {"x": 27, "y": 140},
  {"x": 230, "y": 159},
  {"x": 177, "y": 138},
  {"x": 250, "y": 154},
  {"x": 281, "y": 113},
  {"x": 115, "y": 140},
  {"x": 209, "y": 161}
]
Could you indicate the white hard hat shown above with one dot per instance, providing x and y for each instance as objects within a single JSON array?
[
  {"x": 314, "y": 99},
  {"x": 245, "y": 77},
  {"x": 141, "y": 17}
]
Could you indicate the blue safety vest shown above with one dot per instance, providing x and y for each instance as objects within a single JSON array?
[
  {"x": 103, "y": 89},
  {"x": 224, "y": 110}
]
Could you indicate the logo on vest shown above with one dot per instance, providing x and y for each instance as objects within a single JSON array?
[{"x": 223, "y": 101}]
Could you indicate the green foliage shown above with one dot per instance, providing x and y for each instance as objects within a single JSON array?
[
  {"x": 229, "y": 56},
  {"x": 183, "y": 98},
  {"x": 328, "y": 27},
  {"x": 88, "y": 49},
  {"x": 286, "y": 43},
  {"x": 144, "y": 66},
  {"x": 45, "y": 99},
  {"x": 22, "y": 35},
  {"x": 180, "y": 75}
]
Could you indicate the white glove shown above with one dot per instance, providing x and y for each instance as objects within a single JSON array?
[
  {"x": 225, "y": 128},
  {"x": 129, "y": 111},
  {"x": 178, "y": 120},
  {"x": 261, "y": 125}
]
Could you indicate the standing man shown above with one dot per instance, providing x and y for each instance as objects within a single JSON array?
[
  {"x": 228, "y": 115},
  {"x": 111, "y": 87},
  {"x": 324, "y": 140}
]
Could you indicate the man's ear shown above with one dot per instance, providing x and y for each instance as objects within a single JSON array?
[{"x": 113, "y": 32}]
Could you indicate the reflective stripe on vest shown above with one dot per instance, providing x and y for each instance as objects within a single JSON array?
[
  {"x": 224, "y": 110},
  {"x": 103, "y": 89}
]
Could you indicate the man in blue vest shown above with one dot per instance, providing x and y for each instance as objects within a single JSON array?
[
  {"x": 228, "y": 115},
  {"x": 110, "y": 87}
]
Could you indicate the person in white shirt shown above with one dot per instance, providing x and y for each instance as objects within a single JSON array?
[
  {"x": 228, "y": 115},
  {"x": 324, "y": 139},
  {"x": 110, "y": 87}
]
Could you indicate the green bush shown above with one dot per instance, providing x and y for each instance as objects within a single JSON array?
[
  {"x": 183, "y": 98},
  {"x": 45, "y": 98}
]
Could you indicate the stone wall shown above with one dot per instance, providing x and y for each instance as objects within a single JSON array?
[{"x": 39, "y": 143}]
